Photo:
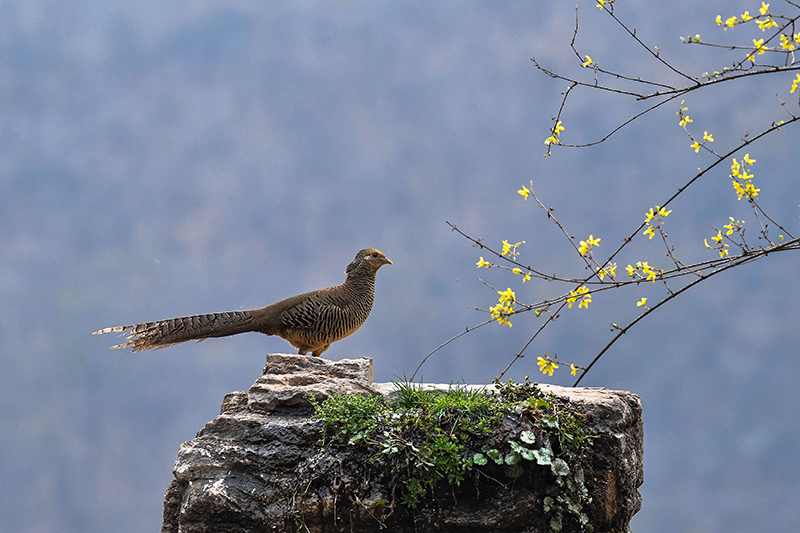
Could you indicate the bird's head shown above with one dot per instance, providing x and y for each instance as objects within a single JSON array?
[{"x": 369, "y": 257}]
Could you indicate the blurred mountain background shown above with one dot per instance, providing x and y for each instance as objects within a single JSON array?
[{"x": 164, "y": 159}]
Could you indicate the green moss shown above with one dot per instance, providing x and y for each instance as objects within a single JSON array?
[{"x": 427, "y": 440}]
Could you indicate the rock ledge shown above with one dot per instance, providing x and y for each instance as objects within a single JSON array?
[{"x": 245, "y": 469}]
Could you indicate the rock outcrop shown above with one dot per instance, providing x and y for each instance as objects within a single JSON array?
[{"x": 259, "y": 466}]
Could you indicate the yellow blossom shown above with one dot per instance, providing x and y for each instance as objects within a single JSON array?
[
  {"x": 507, "y": 296},
  {"x": 764, "y": 8},
  {"x": 656, "y": 211},
  {"x": 760, "y": 48},
  {"x": 650, "y": 231},
  {"x": 734, "y": 225},
  {"x": 554, "y": 134},
  {"x": 511, "y": 248},
  {"x": 648, "y": 271},
  {"x": 719, "y": 20},
  {"x": 795, "y": 82},
  {"x": 786, "y": 44},
  {"x": 731, "y": 22},
  {"x": 581, "y": 293},
  {"x": 546, "y": 365},
  {"x": 746, "y": 16},
  {"x": 748, "y": 160},
  {"x": 750, "y": 190},
  {"x": 518, "y": 270},
  {"x": 630, "y": 270},
  {"x": 505, "y": 308},
  {"x": 739, "y": 189},
  {"x": 768, "y": 22},
  {"x": 483, "y": 263},
  {"x": 684, "y": 121},
  {"x": 524, "y": 191},
  {"x": 573, "y": 370},
  {"x": 707, "y": 137},
  {"x": 501, "y": 314},
  {"x": 611, "y": 270},
  {"x": 588, "y": 244},
  {"x": 642, "y": 303},
  {"x": 588, "y": 61},
  {"x": 696, "y": 146},
  {"x": 601, "y": 4},
  {"x": 735, "y": 167}
]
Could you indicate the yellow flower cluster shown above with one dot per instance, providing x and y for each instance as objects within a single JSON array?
[
  {"x": 609, "y": 269},
  {"x": 718, "y": 245},
  {"x": 657, "y": 214},
  {"x": 758, "y": 46},
  {"x": 511, "y": 249},
  {"x": 546, "y": 365},
  {"x": 686, "y": 120},
  {"x": 730, "y": 22},
  {"x": 706, "y": 138},
  {"x": 505, "y": 308},
  {"x": 790, "y": 44},
  {"x": 643, "y": 270},
  {"x": 795, "y": 82},
  {"x": 525, "y": 277},
  {"x": 602, "y": 3},
  {"x": 555, "y": 134},
  {"x": 683, "y": 116},
  {"x": 581, "y": 293},
  {"x": 587, "y": 245},
  {"x": 734, "y": 225},
  {"x": 741, "y": 178},
  {"x": 764, "y": 19}
]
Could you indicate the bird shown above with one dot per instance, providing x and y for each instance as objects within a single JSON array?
[{"x": 311, "y": 321}]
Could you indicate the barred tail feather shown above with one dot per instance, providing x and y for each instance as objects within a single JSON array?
[{"x": 163, "y": 333}]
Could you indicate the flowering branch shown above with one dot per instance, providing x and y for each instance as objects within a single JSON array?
[{"x": 730, "y": 246}]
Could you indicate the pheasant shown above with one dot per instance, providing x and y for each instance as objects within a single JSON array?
[{"x": 309, "y": 321}]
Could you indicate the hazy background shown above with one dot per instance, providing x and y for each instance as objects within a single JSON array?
[{"x": 163, "y": 159}]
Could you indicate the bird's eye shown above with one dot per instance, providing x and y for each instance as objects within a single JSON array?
[{"x": 375, "y": 254}]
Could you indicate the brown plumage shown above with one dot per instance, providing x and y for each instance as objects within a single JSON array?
[{"x": 309, "y": 321}]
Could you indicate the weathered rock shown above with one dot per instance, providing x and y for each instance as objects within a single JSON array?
[{"x": 258, "y": 465}]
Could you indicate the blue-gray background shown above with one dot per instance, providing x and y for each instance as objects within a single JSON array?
[{"x": 162, "y": 159}]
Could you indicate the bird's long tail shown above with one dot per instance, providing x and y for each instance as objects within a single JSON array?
[{"x": 175, "y": 330}]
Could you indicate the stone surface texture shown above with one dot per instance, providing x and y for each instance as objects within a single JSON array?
[{"x": 258, "y": 465}]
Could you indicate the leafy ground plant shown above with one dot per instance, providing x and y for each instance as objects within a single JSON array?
[{"x": 424, "y": 444}]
